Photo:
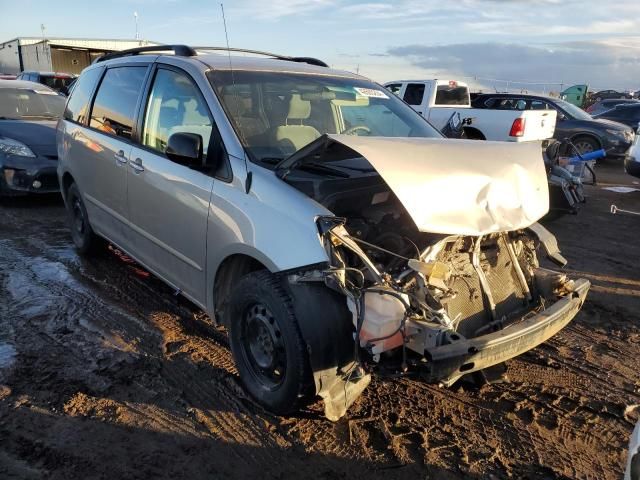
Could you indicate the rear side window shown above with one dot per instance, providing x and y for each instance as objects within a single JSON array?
[
  {"x": 56, "y": 82},
  {"x": 78, "y": 104},
  {"x": 452, "y": 94},
  {"x": 414, "y": 94},
  {"x": 115, "y": 104}
]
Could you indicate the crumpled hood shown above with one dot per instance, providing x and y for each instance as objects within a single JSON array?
[{"x": 460, "y": 187}]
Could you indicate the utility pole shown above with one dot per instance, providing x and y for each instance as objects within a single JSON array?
[
  {"x": 44, "y": 45},
  {"x": 135, "y": 16}
]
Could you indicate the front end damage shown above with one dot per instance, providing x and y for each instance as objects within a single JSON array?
[{"x": 440, "y": 305}]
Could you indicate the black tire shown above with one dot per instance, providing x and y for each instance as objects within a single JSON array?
[
  {"x": 586, "y": 144},
  {"x": 266, "y": 342},
  {"x": 86, "y": 241}
]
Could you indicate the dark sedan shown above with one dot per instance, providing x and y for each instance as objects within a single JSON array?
[
  {"x": 586, "y": 133},
  {"x": 604, "y": 94},
  {"x": 627, "y": 114},
  {"x": 28, "y": 156},
  {"x": 604, "y": 105}
]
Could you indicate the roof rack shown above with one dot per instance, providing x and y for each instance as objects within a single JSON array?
[
  {"x": 181, "y": 50},
  {"x": 186, "y": 51},
  {"x": 309, "y": 60}
]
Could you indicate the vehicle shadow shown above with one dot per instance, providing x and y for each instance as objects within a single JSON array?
[
  {"x": 99, "y": 444},
  {"x": 32, "y": 201}
]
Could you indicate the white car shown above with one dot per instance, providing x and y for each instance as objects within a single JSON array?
[
  {"x": 437, "y": 100},
  {"x": 632, "y": 160}
]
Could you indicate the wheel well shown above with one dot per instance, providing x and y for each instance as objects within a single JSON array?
[
  {"x": 474, "y": 133},
  {"x": 67, "y": 180},
  {"x": 587, "y": 135},
  {"x": 232, "y": 269}
]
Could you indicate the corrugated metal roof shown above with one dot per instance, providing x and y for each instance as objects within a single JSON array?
[{"x": 98, "y": 43}]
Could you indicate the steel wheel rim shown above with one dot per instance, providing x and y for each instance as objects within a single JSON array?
[
  {"x": 263, "y": 346},
  {"x": 78, "y": 219},
  {"x": 584, "y": 147}
]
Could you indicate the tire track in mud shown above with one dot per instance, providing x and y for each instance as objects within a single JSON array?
[{"x": 190, "y": 355}]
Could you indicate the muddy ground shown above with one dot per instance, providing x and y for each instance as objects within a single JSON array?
[{"x": 104, "y": 374}]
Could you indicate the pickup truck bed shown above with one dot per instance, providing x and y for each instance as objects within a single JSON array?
[{"x": 437, "y": 100}]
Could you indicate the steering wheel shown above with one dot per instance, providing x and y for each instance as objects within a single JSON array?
[{"x": 357, "y": 128}]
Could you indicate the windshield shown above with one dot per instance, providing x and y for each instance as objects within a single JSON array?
[
  {"x": 57, "y": 83},
  {"x": 16, "y": 103},
  {"x": 573, "y": 111},
  {"x": 277, "y": 113}
]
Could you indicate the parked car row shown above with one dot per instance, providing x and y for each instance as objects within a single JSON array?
[
  {"x": 586, "y": 133},
  {"x": 437, "y": 100},
  {"x": 520, "y": 117}
]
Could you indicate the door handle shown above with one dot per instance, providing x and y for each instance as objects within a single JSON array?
[
  {"x": 120, "y": 158},
  {"x": 137, "y": 165}
]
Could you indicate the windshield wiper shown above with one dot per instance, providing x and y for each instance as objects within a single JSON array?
[
  {"x": 40, "y": 116},
  {"x": 319, "y": 167},
  {"x": 271, "y": 160}
]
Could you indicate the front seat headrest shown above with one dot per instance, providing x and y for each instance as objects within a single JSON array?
[{"x": 298, "y": 109}]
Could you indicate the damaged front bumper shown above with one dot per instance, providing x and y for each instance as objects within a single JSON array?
[
  {"x": 32, "y": 175},
  {"x": 447, "y": 363}
]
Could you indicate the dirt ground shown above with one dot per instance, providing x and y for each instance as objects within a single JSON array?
[{"x": 104, "y": 374}]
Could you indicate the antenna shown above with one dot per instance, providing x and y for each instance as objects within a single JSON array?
[{"x": 235, "y": 98}]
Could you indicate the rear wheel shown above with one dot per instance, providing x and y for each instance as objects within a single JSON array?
[
  {"x": 85, "y": 240},
  {"x": 267, "y": 346}
]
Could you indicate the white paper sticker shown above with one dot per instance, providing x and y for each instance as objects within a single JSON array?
[{"x": 370, "y": 92}]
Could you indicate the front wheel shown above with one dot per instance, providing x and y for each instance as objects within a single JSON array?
[
  {"x": 85, "y": 240},
  {"x": 585, "y": 145},
  {"x": 266, "y": 342}
]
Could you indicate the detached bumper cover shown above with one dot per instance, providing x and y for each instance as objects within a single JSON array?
[{"x": 450, "y": 362}]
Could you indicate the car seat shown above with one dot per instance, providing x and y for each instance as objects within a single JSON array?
[{"x": 292, "y": 137}]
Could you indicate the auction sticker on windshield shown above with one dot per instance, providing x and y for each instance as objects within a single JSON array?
[{"x": 370, "y": 92}]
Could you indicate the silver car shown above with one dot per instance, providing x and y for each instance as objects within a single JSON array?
[{"x": 328, "y": 226}]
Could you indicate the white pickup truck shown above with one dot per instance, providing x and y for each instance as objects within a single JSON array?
[{"x": 437, "y": 100}]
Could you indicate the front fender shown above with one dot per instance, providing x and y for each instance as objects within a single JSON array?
[{"x": 273, "y": 223}]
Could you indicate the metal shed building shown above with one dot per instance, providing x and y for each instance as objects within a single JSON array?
[{"x": 69, "y": 55}]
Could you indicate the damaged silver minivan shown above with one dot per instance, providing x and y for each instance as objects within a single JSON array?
[{"x": 328, "y": 226}]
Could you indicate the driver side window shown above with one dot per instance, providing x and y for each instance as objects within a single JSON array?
[{"x": 175, "y": 105}]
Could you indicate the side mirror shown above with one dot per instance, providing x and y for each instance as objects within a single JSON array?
[{"x": 185, "y": 148}]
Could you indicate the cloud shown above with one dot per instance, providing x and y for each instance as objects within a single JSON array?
[
  {"x": 606, "y": 63},
  {"x": 277, "y": 9}
]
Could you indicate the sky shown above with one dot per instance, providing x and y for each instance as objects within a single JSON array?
[{"x": 536, "y": 45}]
